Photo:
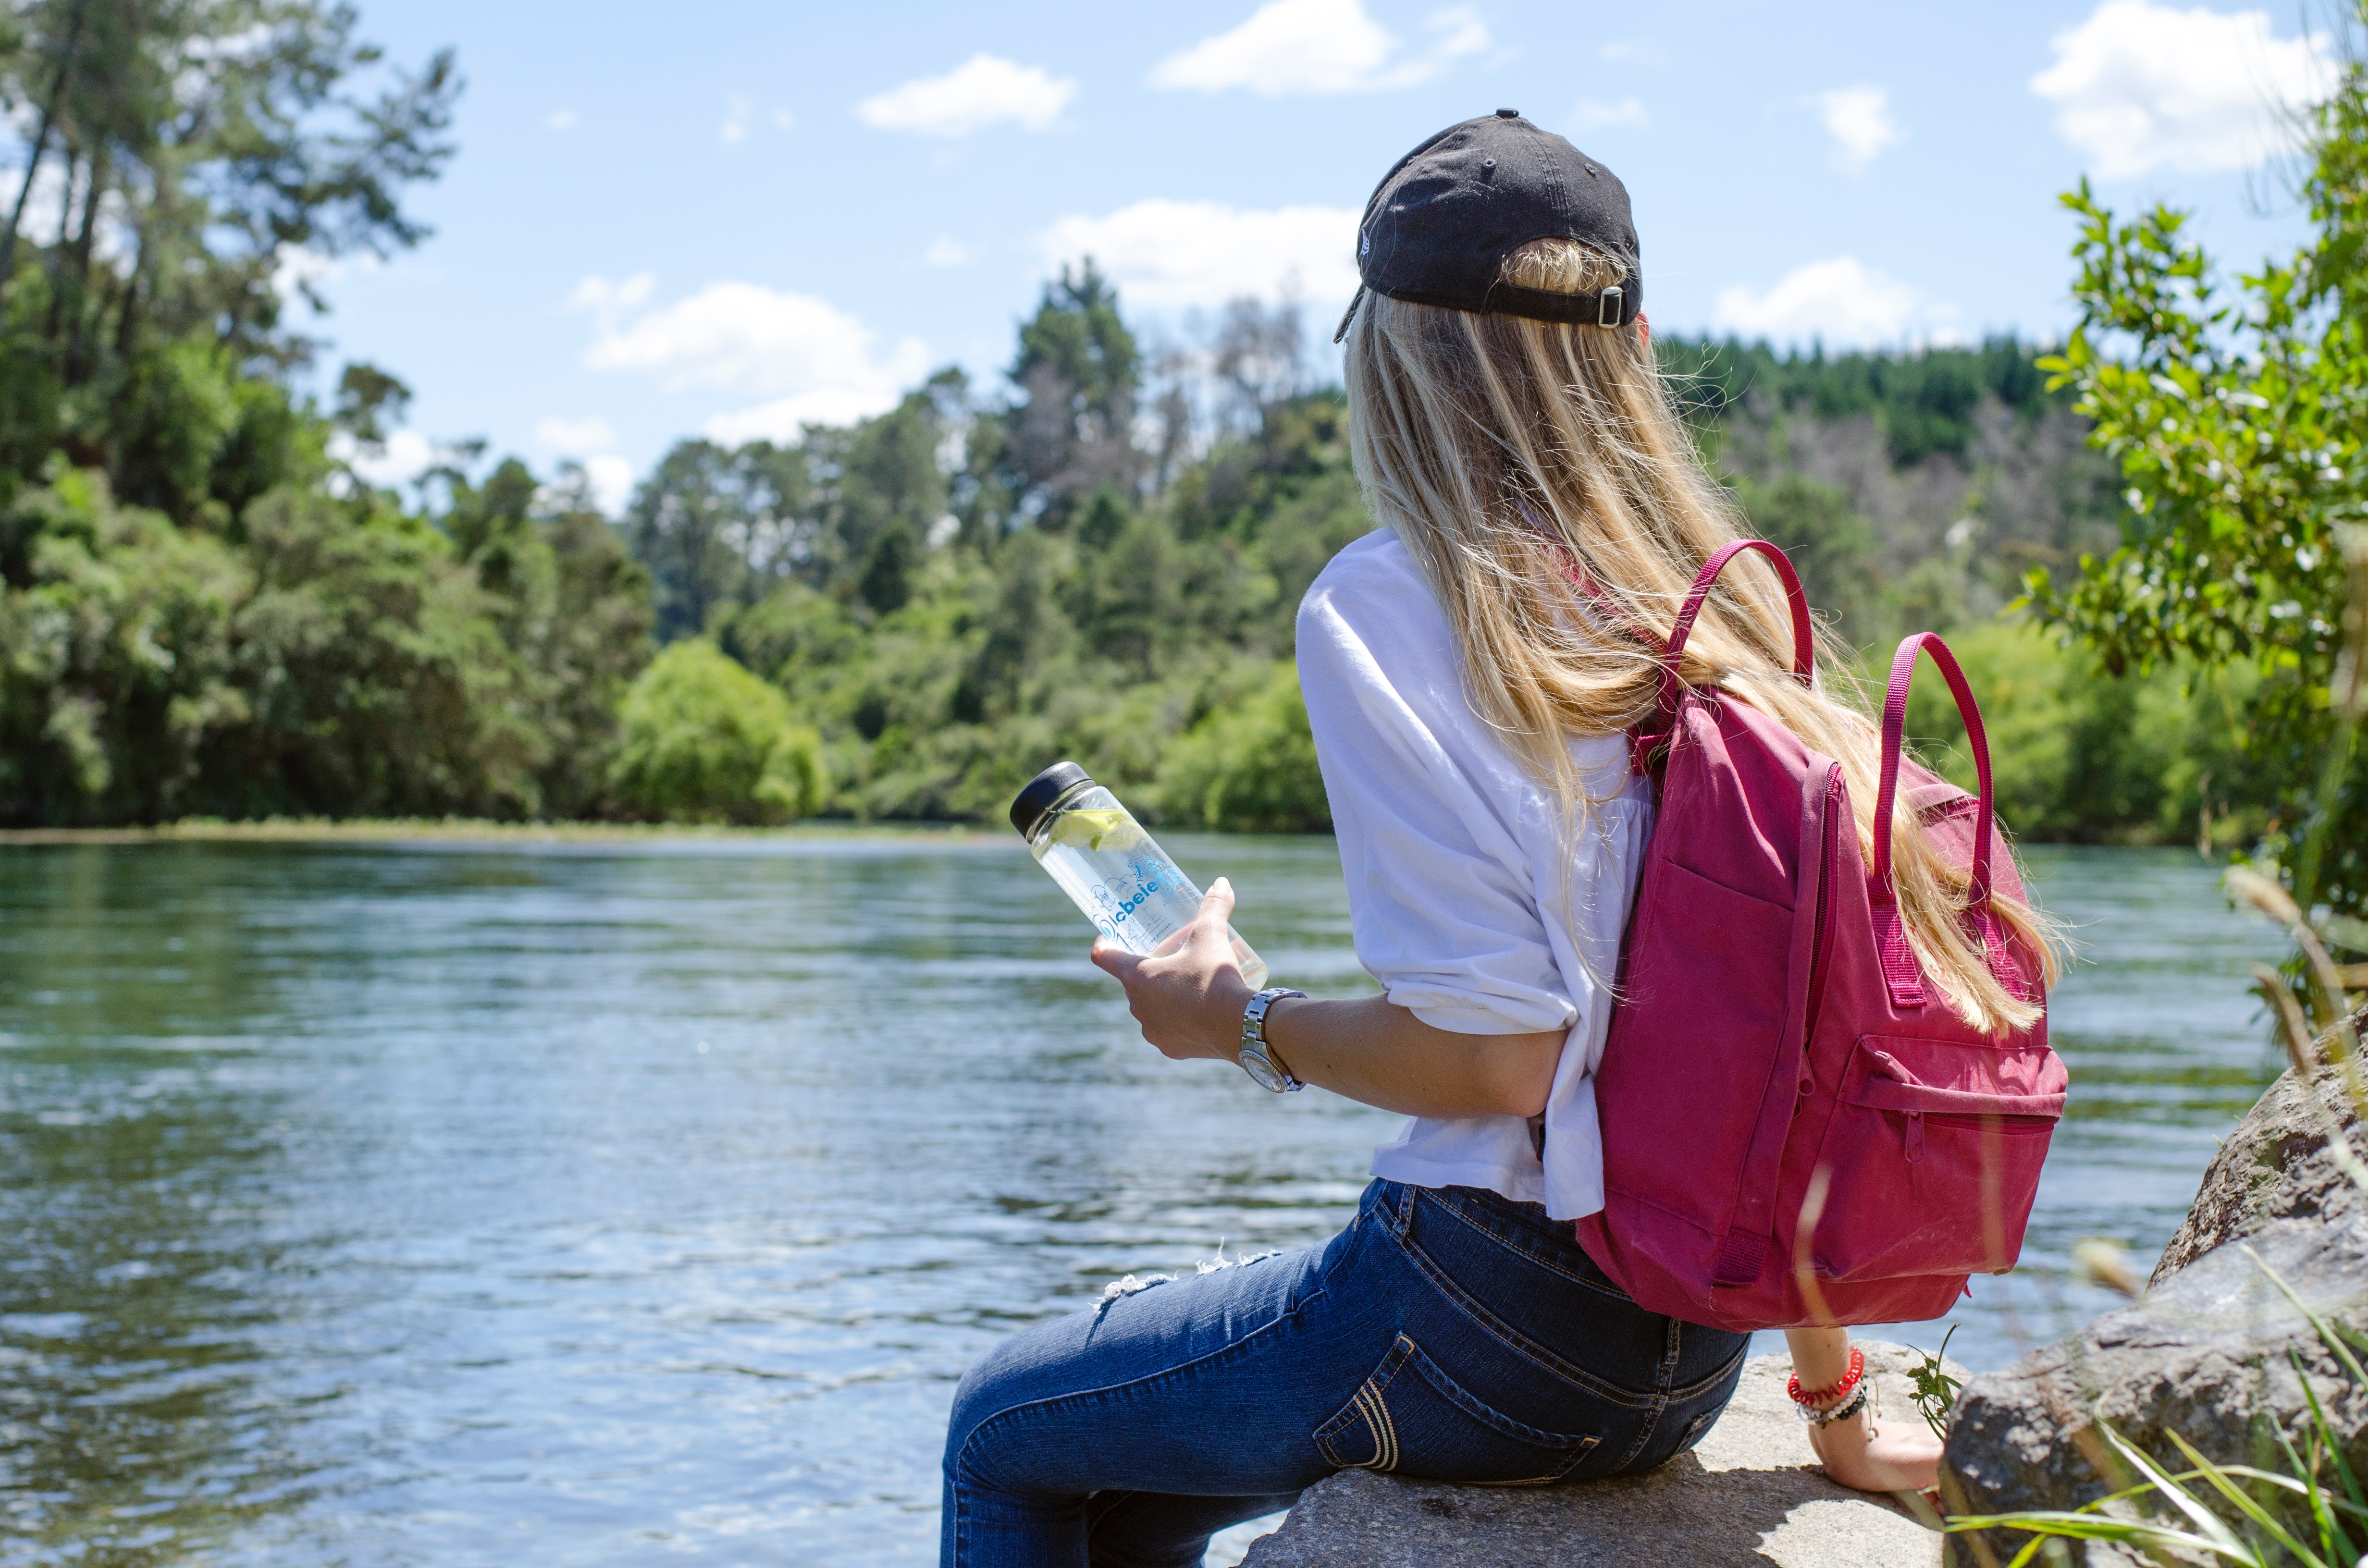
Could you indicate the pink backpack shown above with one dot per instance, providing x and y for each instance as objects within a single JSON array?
[{"x": 1796, "y": 1129}]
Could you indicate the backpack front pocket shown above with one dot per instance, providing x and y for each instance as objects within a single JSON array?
[
  {"x": 1410, "y": 1417},
  {"x": 1932, "y": 1157}
]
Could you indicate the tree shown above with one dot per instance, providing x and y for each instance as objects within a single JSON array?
[
  {"x": 717, "y": 526},
  {"x": 705, "y": 741},
  {"x": 208, "y": 154},
  {"x": 1831, "y": 547},
  {"x": 2238, "y": 418},
  {"x": 1079, "y": 370}
]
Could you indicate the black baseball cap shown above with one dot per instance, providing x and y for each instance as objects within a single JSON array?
[{"x": 1441, "y": 220}]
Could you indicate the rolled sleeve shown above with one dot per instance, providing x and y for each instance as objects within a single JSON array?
[{"x": 1441, "y": 889}]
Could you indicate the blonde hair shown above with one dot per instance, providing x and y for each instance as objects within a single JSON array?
[{"x": 1504, "y": 452}]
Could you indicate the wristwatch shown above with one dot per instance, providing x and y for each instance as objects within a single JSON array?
[{"x": 1256, "y": 1057}]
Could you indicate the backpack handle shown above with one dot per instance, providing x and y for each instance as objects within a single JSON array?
[
  {"x": 1899, "y": 970},
  {"x": 1895, "y": 725},
  {"x": 1805, "y": 650}
]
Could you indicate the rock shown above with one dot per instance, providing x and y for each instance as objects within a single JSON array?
[
  {"x": 2209, "y": 1352},
  {"x": 2275, "y": 1166},
  {"x": 1751, "y": 1494}
]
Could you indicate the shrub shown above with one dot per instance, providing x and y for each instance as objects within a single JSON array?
[
  {"x": 706, "y": 741},
  {"x": 1250, "y": 767},
  {"x": 2081, "y": 755}
]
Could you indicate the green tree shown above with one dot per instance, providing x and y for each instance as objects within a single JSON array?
[
  {"x": 705, "y": 741},
  {"x": 1832, "y": 546},
  {"x": 1250, "y": 767},
  {"x": 574, "y": 608},
  {"x": 715, "y": 525},
  {"x": 1079, "y": 373},
  {"x": 2237, "y": 417},
  {"x": 207, "y": 151},
  {"x": 117, "y": 660}
]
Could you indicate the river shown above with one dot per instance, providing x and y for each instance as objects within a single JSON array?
[{"x": 467, "y": 1204}]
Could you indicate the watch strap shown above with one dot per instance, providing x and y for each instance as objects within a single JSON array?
[{"x": 1257, "y": 1052}]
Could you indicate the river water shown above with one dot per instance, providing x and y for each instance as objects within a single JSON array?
[{"x": 490, "y": 1204}]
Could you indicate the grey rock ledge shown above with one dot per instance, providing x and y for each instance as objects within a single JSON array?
[{"x": 1749, "y": 1496}]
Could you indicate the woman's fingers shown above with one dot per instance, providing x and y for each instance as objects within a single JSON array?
[
  {"x": 1217, "y": 903},
  {"x": 1188, "y": 996}
]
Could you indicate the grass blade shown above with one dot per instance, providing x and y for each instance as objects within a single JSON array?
[
  {"x": 2169, "y": 1491},
  {"x": 2326, "y": 1432},
  {"x": 2327, "y": 1336},
  {"x": 2245, "y": 1504},
  {"x": 2145, "y": 1534}
]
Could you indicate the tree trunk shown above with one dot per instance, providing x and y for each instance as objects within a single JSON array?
[
  {"x": 74, "y": 375},
  {"x": 40, "y": 146},
  {"x": 58, "y": 252},
  {"x": 124, "y": 322}
]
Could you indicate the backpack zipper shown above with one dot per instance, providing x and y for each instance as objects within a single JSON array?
[
  {"x": 1912, "y": 1136},
  {"x": 1828, "y": 872},
  {"x": 2012, "y": 1126}
]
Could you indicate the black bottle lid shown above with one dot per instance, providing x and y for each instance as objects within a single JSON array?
[{"x": 1042, "y": 791}]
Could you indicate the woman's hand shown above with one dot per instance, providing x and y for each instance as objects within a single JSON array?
[
  {"x": 1871, "y": 1455},
  {"x": 1878, "y": 1456},
  {"x": 1189, "y": 996}
]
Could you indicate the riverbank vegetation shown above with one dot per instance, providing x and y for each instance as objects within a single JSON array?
[{"x": 205, "y": 610}]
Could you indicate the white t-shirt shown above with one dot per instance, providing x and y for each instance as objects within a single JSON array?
[{"x": 1455, "y": 858}]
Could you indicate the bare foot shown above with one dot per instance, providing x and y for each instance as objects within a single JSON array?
[{"x": 1878, "y": 1455}]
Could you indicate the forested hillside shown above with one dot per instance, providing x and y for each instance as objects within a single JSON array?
[
  {"x": 1103, "y": 563},
  {"x": 201, "y": 610},
  {"x": 205, "y": 611}
]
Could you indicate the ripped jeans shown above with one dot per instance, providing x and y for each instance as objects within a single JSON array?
[{"x": 1448, "y": 1334}]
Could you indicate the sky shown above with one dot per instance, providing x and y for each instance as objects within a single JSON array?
[{"x": 723, "y": 220}]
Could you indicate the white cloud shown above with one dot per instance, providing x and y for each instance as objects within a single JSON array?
[
  {"x": 985, "y": 90},
  {"x": 1588, "y": 115},
  {"x": 810, "y": 359},
  {"x": 734, "y": 128},
  {"x": 1840, "y": 302},
  {"x": 947, "y": 251},
  {"x": 1203, "y": 252},
  {"x": 1318, "y": 46},
  {"x": 295, "y": 269},
  {"x": 612, "y": 481},
  {"x": 1459, "y": 32},
  {"x": 406, "y": 456},
  {"x": 2139, "y": 85},
  {"x": 784, "y": 120},
  {"x": 1859, "y": 119},
  {"x": 783, "y": 417},
  {"x": 559, "y": 120},
  {"x": 1630, "y": 50},
  {"x": 603, "y": 299},
  {"x": 575, "y": 437}
]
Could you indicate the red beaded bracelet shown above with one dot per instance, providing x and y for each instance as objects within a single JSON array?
[{"x": 1812, "y": 1399}]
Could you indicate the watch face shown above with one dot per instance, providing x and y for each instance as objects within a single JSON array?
[{"x": 1261, "y": 1069}]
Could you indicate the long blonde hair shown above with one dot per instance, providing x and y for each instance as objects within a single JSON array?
[{"x": 1504, "y": 452}]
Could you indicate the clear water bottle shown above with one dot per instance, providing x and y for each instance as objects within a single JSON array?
[{"x": 1112, "y": 870}]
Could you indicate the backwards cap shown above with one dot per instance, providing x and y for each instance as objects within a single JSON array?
[{"x": 1439, "y": 226}]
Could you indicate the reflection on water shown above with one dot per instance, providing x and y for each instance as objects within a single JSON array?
[{"x": 539, "y": 1206}]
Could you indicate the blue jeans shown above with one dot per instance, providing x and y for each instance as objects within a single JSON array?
[{"x": 1448, "y": 1334}]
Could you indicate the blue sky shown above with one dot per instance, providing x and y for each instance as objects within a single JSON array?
[{"x": 727, "y": 218}]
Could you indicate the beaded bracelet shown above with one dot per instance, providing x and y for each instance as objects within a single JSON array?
[
  {"x": 1859, "y": 1399},
  {"x": 1810, "y": 1398}
]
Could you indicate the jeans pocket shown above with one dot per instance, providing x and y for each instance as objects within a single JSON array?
[{"x": 1411, "y": 1418}]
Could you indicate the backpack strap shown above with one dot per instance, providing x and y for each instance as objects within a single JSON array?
[
  {"x": 1899, "y": 971},
  {"x": 1673, "y": 687}
]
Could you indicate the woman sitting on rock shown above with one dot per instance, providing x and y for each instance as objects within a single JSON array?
[{"x": 1469, "y": 672}]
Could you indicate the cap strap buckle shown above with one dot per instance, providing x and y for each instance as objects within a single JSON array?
[{"x": 1608, "y": 306}]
